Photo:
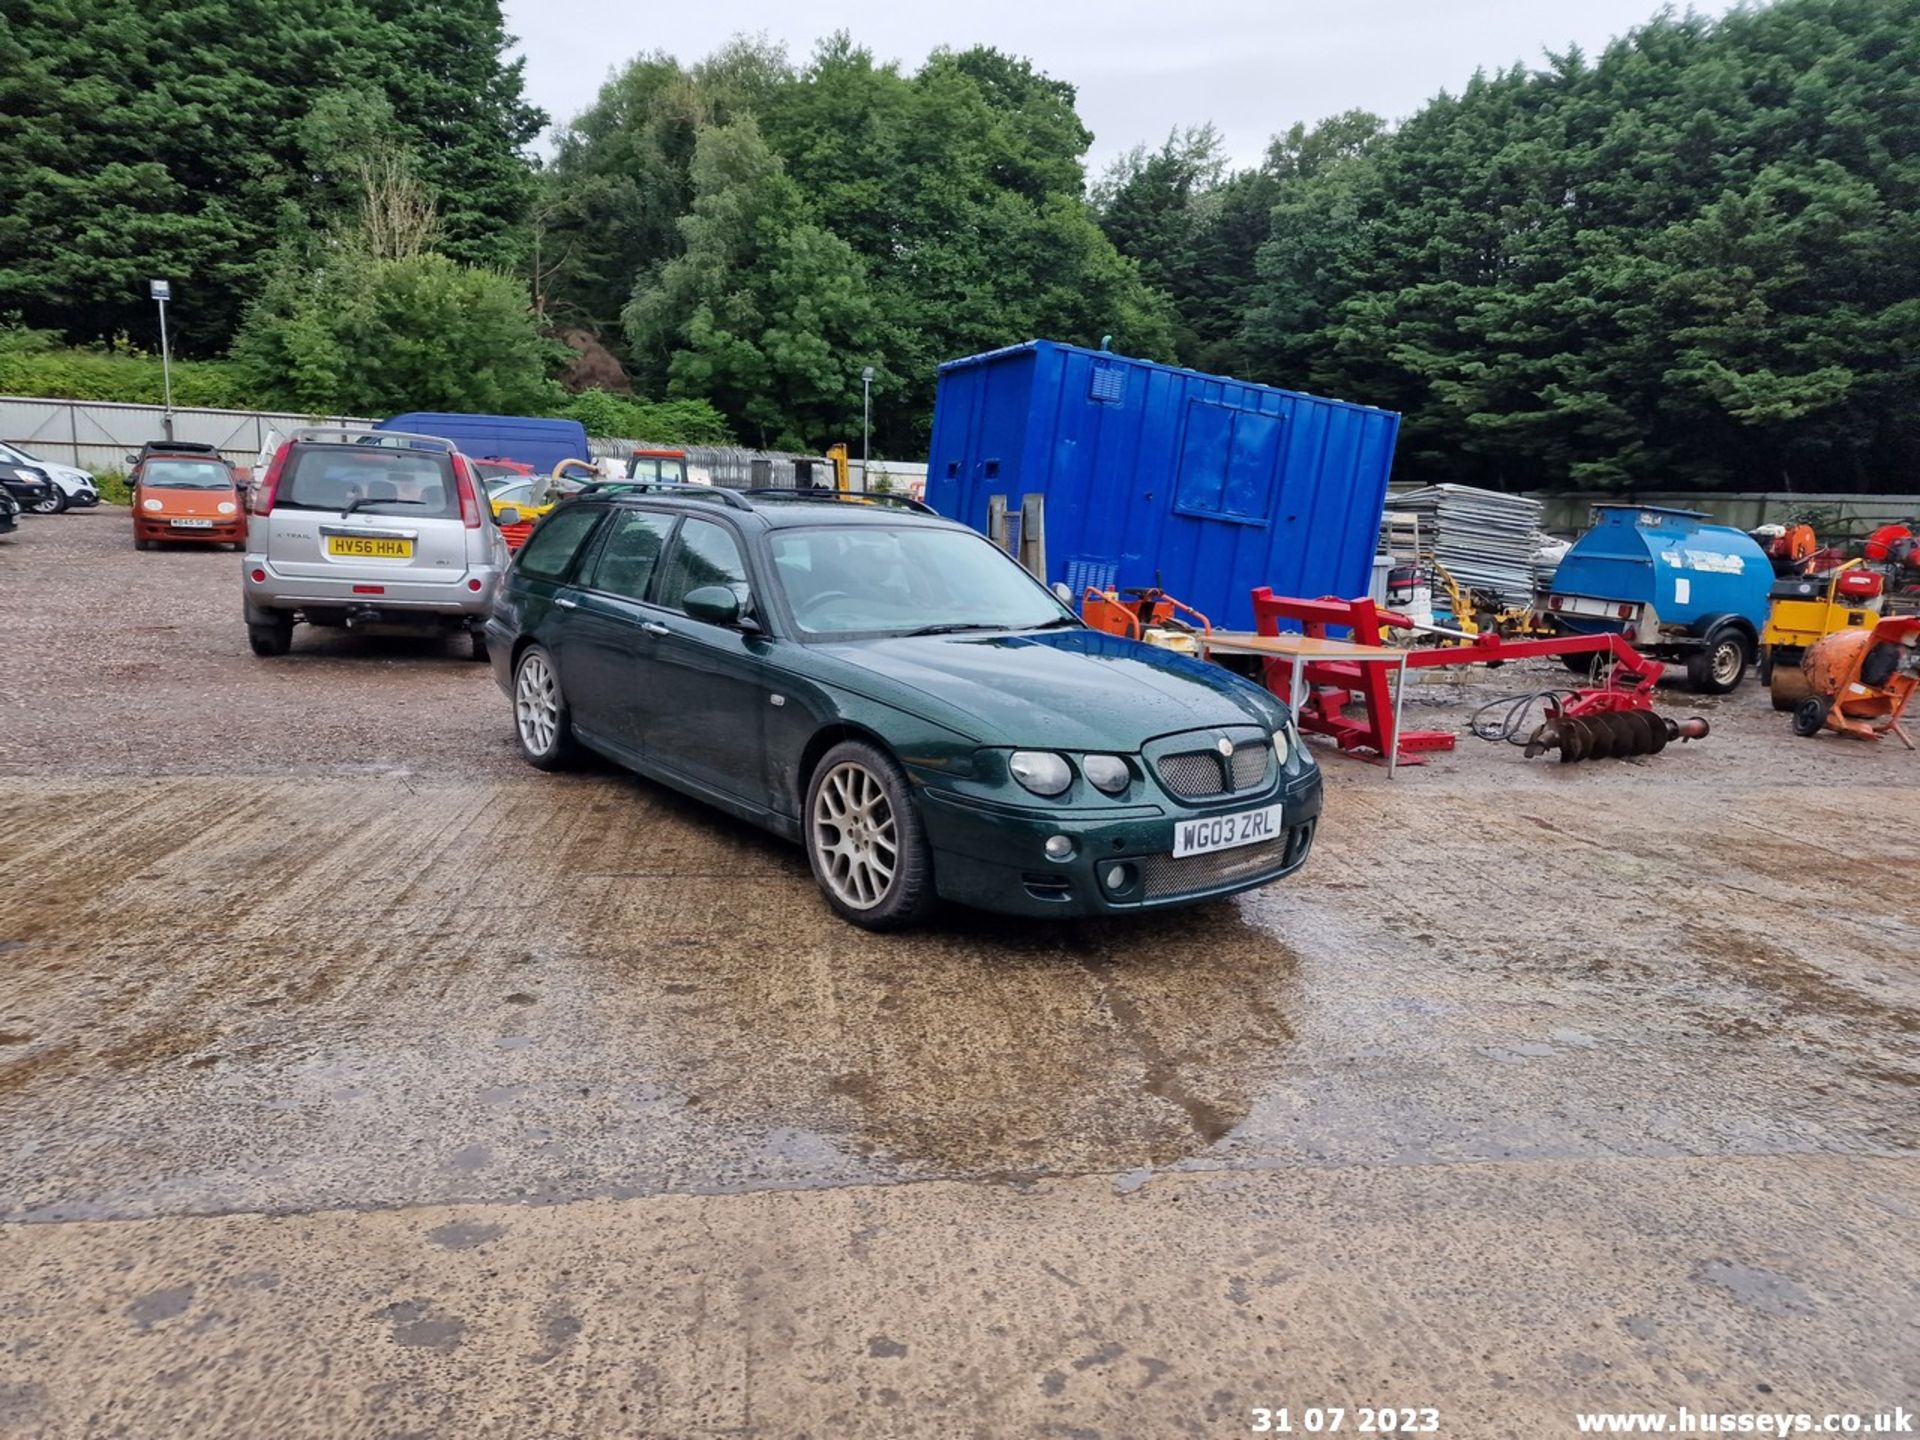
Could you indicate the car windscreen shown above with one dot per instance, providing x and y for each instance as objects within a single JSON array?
[
  {"x": 186, "y": 475},
  {"x": 876, "y": 580},
  {"x": 415, "y": 483},
  {"x": 493, "y": 474}
]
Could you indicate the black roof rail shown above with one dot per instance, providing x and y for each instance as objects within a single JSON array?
[
  {"x": 692, "y": 492},
  {"x": 852, "y": 497}
]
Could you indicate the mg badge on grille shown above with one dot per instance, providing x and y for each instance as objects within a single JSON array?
[{"x": 1223, "y": 745}]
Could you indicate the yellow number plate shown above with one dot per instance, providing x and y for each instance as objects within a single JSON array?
[{"x": 365, "y": 547}]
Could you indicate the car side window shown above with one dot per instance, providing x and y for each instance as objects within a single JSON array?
[
  {"x": 549, "y": 551},
  {"x": 705, "y": 554},
  {"x": 630, "y": 553}
]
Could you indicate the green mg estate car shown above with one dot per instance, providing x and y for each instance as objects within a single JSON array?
[{"x": 892, "y": 691}]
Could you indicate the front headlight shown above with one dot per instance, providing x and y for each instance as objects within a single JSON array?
[
  {"x": 150, "y": 505},
  {"x": 226, "y": 507},
  {"x": 1041, "y": 771},
  {"x": 1107, "y": 772},
  {"x": 1280, "y": 747}
]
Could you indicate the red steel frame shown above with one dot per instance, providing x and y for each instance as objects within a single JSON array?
[{"x": 1333, "y": 685}]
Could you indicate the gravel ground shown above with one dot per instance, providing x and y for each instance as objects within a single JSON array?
[{"x": 357, "y": 1079}]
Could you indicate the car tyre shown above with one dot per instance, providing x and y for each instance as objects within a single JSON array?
[
  {"x": 139, "y": 544},
  {"x": 864, "y": 839},
  {"x": 271, "y": 638},
  {"x": 54, "y": 504},
  {"x": 477, "y": 646},
  {"x": 541, "y": 721},
  {"x": 1721, "y": 666}
]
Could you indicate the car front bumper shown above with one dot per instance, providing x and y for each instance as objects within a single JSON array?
[
  {"x": 991, "y": 857},
  {"x": 221, "y": 532}
]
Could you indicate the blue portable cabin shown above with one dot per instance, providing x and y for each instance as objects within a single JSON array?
[
  {"x": 1675, "y": 583},
  {"x": 1153, "y": 474},
  {"x": 540, "y": 443}
]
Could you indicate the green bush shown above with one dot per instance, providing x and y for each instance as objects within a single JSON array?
[
  {"x": 120, "y": 378},
  {"x": 374, "y": 336},
  {"x": 667, "y": 422}
]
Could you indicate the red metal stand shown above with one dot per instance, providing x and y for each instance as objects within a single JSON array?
[{"x": 1332, "y": 686}]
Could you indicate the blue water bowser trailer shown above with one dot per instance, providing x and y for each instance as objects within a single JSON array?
[{"x": 1672, "y": 582}]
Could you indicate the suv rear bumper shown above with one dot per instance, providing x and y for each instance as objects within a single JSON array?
[{"x": 369, "y": 592}]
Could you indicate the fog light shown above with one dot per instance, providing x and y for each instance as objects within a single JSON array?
[
  {"x": 1119, "y": 877},
  {"x": 1059, "y": 847}
]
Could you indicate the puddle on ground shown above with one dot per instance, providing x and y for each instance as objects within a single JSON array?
[{"x": 995, "y": 1046}]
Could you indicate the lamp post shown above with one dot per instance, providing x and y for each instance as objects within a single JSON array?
[
  {"x": 162, "y": 291},
  {"x": 866, "y": 420}
]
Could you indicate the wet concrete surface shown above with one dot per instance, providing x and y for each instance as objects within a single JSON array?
[{"x": 356, "y": 1079}]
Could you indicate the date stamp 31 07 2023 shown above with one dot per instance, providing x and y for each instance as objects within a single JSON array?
[{"x": 1345, "y": 1419}]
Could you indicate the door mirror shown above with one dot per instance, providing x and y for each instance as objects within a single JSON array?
[
  {"x": 1061, "y": 592},
  {"x": 715, "y": 604},
  {"x": 508, "y": 515},
  {"x": 133, "y": 459}
]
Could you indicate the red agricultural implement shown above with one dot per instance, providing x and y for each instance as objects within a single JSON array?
[{"x": 1351, "y": 703}]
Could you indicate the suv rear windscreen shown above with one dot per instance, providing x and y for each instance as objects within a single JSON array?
[{"x": 416, "y": 483}]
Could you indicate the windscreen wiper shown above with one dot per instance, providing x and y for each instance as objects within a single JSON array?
[
  {"x": 953, "y": 628},
  {"x": 1058, "y": 623},
  {"x": 353, "y": 505}
]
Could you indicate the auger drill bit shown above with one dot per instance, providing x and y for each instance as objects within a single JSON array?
[{"x": 1611, "y": 734}]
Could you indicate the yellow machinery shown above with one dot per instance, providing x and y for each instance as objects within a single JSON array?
[
  {"x": 1806, "y": 609},
  {"x": 842, "y": 478},
  {"x": 1471, "y": 618}
]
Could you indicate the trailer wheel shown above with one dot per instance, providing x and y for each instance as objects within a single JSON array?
[
  {"x": 1810, "y": 716},
  {"x": 1721, "y": 666}
]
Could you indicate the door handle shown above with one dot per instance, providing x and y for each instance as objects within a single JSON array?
[
  {"x": 654, "y": 627},
  {"x": 566, "y": 604}
]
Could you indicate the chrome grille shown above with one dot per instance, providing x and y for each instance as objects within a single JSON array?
[
  {"x": 1163, "y": 875},
  {"x": 1250, "y": 765},
  {"x": 1192, "y": 774}
]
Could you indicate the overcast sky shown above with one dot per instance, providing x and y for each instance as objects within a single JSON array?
[{"x": 1253, "y": 67}]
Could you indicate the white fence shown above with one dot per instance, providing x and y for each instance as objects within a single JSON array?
[{"x": 99, "y": 436}]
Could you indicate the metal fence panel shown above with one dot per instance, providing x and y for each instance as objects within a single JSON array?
[{"x": 97, "y": 436}]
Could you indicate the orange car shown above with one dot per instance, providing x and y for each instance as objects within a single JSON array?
[{"x": 185, "y": 495}]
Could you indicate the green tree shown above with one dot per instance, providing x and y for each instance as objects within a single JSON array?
[
  {"x": 372, "y": 336},
  {"x": 764, "y": 314},
  {"x": 188, "y": 140},
  {"x": 1689, "y": 261}
]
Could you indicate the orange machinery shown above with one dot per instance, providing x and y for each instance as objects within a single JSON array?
[
  {"x": 1857, "y": 683},
  {"x": 1151, "y": 615}
]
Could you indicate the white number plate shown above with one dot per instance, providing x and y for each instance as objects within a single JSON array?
[
  {"x": 191, "y": 524},
  {"x": 1226, "y": 832}
]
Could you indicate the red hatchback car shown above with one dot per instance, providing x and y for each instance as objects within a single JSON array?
[{"x": 185, "y": 495}]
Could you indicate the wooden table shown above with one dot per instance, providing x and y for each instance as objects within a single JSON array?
[{"x": 1297, "y": 650}]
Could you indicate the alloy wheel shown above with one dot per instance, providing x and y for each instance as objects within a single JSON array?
[
  {"x": 536, "y": 704},
  {"x": 854, "y": 835}
]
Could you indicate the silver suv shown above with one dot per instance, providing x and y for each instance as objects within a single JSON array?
[{"x": 371, "y": 529}]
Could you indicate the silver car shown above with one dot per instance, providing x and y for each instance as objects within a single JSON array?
[{"x": 369, "y": 529}]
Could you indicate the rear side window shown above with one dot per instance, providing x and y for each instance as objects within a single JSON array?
[
  {"x": 549, "y": 551},
  {"x": 414, "y": 483},
  {"x": 706, "y": 554},
  {"x": 630, "y": 553}
]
